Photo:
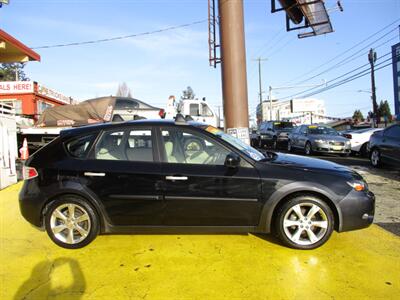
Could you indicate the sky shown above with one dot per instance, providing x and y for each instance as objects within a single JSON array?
[{"x": 156, "y": 66}]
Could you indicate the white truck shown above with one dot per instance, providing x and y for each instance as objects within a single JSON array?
[{"x": 198, "y": 110}]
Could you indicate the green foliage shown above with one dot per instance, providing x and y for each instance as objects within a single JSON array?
[
  {"x": 384, "y": 110},
  {"x": 358, "y": 116},
  {"x": 9, "y": 72},
  {"x": 188, "y": 94}
]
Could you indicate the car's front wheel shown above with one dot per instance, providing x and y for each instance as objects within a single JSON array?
[
  {"x": 308, "y": 149},
  {"x": 71, "y": 222},
  {"x": 289, "y": 146},
  {"x": 304, "y": 222},
  {"x": 375, "y": 157}
]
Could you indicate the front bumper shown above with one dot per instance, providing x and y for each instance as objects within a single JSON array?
[
  {"x": 357, "y": 210},
  {"x": 328, "y": 148}
]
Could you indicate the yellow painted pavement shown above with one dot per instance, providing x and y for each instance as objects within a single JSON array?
[{"x": 362, "y": 264}]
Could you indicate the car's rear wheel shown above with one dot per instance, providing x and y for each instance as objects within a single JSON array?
[
  {"x": 71, "y": 222},
  {"x": 375, "y": 157},
  {"x": 304, "y": 222}
]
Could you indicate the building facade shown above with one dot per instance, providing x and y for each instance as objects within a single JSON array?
[
  {"x": 299, "y": 111},
  {"x": 30, "y": 98}
]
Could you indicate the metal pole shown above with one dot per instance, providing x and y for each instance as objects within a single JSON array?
[
  {"x": 260, "y": 85},
  {"x": 372, "y": 59},
  {"x": 270, "y": 103},
  {"x": 233, "y": 65}
]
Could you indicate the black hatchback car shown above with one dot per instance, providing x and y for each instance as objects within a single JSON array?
[{"x": 166, "y": 176}]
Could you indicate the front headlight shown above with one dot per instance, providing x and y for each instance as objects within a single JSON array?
[
  {"x": 358, "y": 185},
  {"x": 320, "y": 141}
]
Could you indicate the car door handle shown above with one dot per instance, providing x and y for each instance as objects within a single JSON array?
[
  {"x": 94, "y": 174},
  {"x": 173, "y": 178}
]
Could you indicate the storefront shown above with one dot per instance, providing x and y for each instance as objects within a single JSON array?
[{"x": 30, "y": 98}]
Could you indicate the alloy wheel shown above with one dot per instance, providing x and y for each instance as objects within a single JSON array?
[
  {"x": 305, "y": 224},
  {"x": 375, "y": 157},
  {"x": 70, "y": 223}
]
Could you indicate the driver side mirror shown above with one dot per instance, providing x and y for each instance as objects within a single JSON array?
[{"x": 232, "y": 160}]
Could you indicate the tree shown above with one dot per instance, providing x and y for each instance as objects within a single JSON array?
[
  {"x": 188, "y": 94},
  {"x": 13, "y": 72},
  {"x": 124, "y": 91},
  {"x": 384, "y": 110},
  {"x": 358, "y": 116}
]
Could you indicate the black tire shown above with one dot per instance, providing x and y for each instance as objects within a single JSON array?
[
  {"x": 324, "y": 216},
  {"x": 274, "y": 144},
  {"x": 289, "y": 146},
  {"x": 82, "y": 208},
  {"x": 375, "y": 158},
  {"x": 364, "y": 150},
  {"x": 308, "y": 149}
]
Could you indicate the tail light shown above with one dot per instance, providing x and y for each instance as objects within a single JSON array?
[
  {"x": 30, "y": 173},
  {"x": 161, "y": 113}
]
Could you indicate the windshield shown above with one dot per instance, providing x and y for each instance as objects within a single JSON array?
[
  {"x": 322, "y": 130},
  {"x": 237, "y": 143}
]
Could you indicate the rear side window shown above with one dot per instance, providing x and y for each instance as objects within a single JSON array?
[
  {"x": 127, "y": 145},
  {"x": 79, "y": 147}
]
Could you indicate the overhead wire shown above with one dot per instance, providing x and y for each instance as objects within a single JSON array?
[
  {"x": 343, "y": 53},
  {"x": 121, "y": 37}
]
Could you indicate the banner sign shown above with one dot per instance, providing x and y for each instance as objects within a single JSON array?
[
  {"x": 16, "y": 87},
  {"x": 44, "y": 91}
]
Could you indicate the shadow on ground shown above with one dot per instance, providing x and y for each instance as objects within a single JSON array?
[{"x": 40, "y": 286}]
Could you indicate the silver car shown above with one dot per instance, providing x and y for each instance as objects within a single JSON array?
[{"x": 318, "y": 139}]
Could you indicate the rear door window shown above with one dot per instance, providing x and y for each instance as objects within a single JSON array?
[{"x": 127, "y": 145}]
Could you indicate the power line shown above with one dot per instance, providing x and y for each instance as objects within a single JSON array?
[
  {"x": 344, "y": 81},
  {"x": 336, "y": 78},
  {"x": 344, "y": 52},
  {"x": 121, "y": 37},
  {"x": 349, "y": 58}
]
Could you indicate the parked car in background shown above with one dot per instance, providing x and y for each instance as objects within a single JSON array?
[
  {"x": 385, "y": 146},
  {"x": 254, "y": 138},
  {"x": 166, "y": 176},
  {"x": 318, "y": 139},
  {"x": 359, "y": 140},
  {"x": 274, "y": 133}
]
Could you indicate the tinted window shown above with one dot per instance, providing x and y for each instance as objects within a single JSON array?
[
  {"x": 283, "y": 125},
  {"x": 79, "y": 147},
  {"x": 122, "y": 104},
  {"x": 132, "y": 145},
  {"x": 182, "y": 146},
  {"x": 206, "y": 111},
  {"x": 393, "y": 132}
]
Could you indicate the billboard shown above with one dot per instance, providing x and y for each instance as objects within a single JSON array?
[
  {"x": 16, "y": 87},
  {"x": 396, "y": 78}
]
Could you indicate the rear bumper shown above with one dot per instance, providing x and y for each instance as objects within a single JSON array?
[
  {"x": 31, "y": 202},
  {"x": 357, "y": 210}
]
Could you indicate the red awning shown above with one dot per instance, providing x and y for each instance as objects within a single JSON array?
[{"x": 12, "y": 50}]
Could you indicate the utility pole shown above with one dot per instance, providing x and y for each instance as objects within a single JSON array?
[
  {"x": 233, "y": 68},
  {"x": 260, "y": 59},
  {"x": 372, "y": 60}
]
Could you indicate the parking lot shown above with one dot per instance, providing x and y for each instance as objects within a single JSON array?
[{"x": 361, "y": 264}]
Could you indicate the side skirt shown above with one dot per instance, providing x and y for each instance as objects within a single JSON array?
[{"x": 179, "y": 229}]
